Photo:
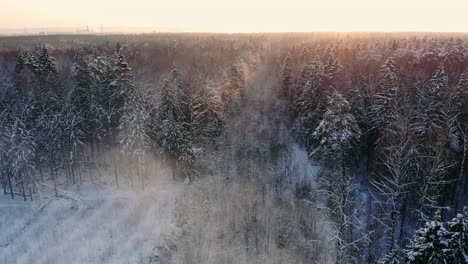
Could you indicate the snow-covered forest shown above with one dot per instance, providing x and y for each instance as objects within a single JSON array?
[{"x": 343, "y": 148}]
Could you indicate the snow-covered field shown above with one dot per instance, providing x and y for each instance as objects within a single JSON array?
[{"x": 94, "y": 226}]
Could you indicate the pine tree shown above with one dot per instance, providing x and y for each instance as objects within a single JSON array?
[
  {"x": 234, "y": 88},
  {"x": 336, "y": 133},
  {"x": 45, "y": 69},
  {"x": 304, "y": 56},
  {"x": 208, "y": 120},
  {"x": 433, "y": 105},
  {"x": 309, "y": 105},
  {"x": 84, "y": 95},
  {"x": 120, "y": 87},
  {"x": 134, "y": 131},
  {"x": 390, "y": 258},
  {"x": 174, "y": 127},
  {"x": 383, "y": 102},
  {"x": 286, "y": 75},
  {"x": 460, "y": 96},
  {"x": 332, "y": 67},
  {"x": 20, "y": 64},
  {"x": 457, "y": 238},
  {"x": 428, "y": 244},
  {"x": 100, "y": 97},
  {"x": 134, "y": 125}
]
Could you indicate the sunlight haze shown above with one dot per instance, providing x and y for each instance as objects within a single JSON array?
[{"x": 238, "y": 16}]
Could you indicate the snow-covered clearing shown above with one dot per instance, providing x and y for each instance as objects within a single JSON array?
[{"x": 94, "y": 226}]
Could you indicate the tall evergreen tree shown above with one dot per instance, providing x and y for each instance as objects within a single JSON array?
[
  {"x": 428, "y": 244},
  {"x": 234, "y": 89},
  {"x": 337, "y": 133},
  {"x": 457, "y": 238},
  {"x": 390, "y": 258},
  {"x": 207, "y": 115},
  {"x": 286, "y": 75},
  {"x": 383, "y": 102},
  {"x": 174, "y": 126}
]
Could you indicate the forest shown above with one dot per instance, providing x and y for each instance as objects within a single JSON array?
[{"x": 249, "y": 148}]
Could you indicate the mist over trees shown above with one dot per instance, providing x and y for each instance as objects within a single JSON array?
[{"x": 243, "y": 119}]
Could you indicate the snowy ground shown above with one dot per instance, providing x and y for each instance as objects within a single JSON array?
[{"x": 94, "y": 226}]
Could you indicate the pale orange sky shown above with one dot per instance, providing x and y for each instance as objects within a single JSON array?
[{"x": 241, "y": 15}]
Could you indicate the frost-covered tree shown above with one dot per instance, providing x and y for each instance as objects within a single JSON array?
[
  {"x": 433, "y": 105},
  {"x": 134, "y": 131},
  {"x": 429, "y": 244},
  {"x": 286, "y": 75},
  {"x": 384, "y": 100},
  {"x": 120, "y": 87},
  {"x": 390, "y": 258},
  {"x": 334, "y": 139},
  {"x": 233, "y": 89},
  {"x": 309, "y": 105},
  {"x": 174, "y": 125},
  {"x": 304, "y": 56},
  {"x": 133, "y": 128},
  {"x": 208, "y": 120},
  {"x": 332, "y": 67},
  {"x": 85, "y": 96},
  {"x": 395, "y": 173},
  {"x": 457, "y": 238},
  {"x": 336, "y": 134},
  {"x": 19, "y": 144},
  {"x": 100, "y": 108},
  {"x": 44, "y": 66}
]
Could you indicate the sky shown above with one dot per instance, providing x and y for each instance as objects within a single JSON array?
[{"x": 239, "y": 15}]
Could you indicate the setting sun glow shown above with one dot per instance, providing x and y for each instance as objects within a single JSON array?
[{"x": 238, "y": 16}]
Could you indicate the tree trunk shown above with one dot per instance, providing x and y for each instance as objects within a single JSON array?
[
  {"x": 52, "y": 173},
  {"x": 116, "y": 173},
  {"x": 403, "y": 217},
  {"x": 461, "y": 176},
  {"x": 24, "y": 190},
  {"x": 11, "y": 187}
]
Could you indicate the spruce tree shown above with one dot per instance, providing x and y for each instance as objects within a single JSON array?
[
  {"x": 120, "y": 87},
  {"x": 457, "y": 238},
  {"x": 174, "y": 125},
  {"x": 428, "y": 245},
  {"x": 336, "y": 134},
  {"x": 233, "y": 89},
  {"x": 207, "y": 115},
  {"x": 390, "y": 258},
  {"x": 309, "y": 104},
  {"x": 286, "y": 75},
  {"x": 383, "y": 102}
]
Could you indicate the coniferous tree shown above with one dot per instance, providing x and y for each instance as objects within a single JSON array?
[
  {"x": 286, "y": 75},
  {"x": 174, "y": 126},
  {"x": 428, "y": 244},
  {"x": 337, "y": 133},
  {"x": 233, "y": 90},
  {"x": 120, "y": 86},
  {"x": 397, "y": 159},
  {"x": 383, "y": 102},
  {"x": 390, "y": 258},
  {"x": 457, "y": 238},
  {"x": 309, "y": 104},
  {"x": 44, "y": 67},
  {"x": 134, "y": 131},
  {"x": 207, "y": 115},
  {"x": 304, "y": 56},
  {"x": 433, "y": 105}
]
